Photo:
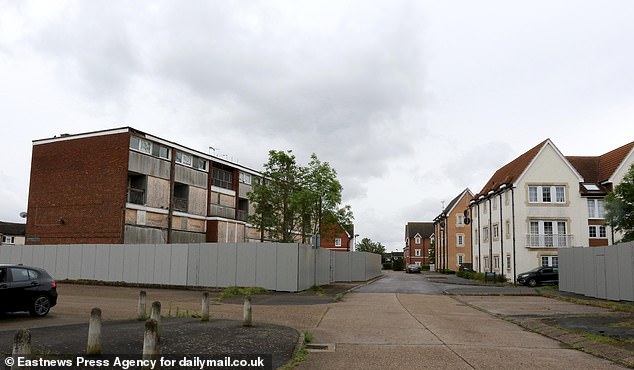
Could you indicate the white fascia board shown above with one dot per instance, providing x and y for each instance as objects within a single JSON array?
[
  {"x": 82, "y": 136},
  {"x": 561, "y": 156}
]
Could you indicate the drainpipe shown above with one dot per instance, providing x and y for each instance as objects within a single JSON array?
[
  {"x": 513, "y": 233},
  {"x": 471, "y": 233},
  {"x": 170, "y": 212},
  {"x": 500, "y": 233},
  {"x": 446, "y": 255},
  {"x": 479, "y": 237},
  {"x": 490, "y": 236}
]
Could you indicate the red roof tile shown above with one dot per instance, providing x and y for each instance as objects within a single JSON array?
[
  {"x": 511, "y": 171},
  {"x": 610, "y": 161},
  {"x": 600, "y": 169}
]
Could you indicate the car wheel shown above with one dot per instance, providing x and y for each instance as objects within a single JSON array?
[
  {"x": 532, "y": 283},
  {"x": 41, "y": 305}
]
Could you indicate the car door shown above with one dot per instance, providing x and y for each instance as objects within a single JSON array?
[
  {"x": 4, "y": 288},
  {"x": 546, "y": 275},
  {"x": 20, "y": 288}
]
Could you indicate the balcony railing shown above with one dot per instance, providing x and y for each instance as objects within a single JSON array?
[
  {"x": 549, "y": 240},
  {"x": 221, "y": 211},
  {"x": 136, "y": 196}
]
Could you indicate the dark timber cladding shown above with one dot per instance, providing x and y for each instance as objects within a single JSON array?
[{"x": 78, "y": 190}]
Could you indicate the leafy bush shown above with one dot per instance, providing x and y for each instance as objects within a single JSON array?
[
  {"x": 397, "y": 265},
  {"x": 424, "y": 268}
]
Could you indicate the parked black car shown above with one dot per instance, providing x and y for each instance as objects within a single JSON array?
[
  {"x": 412, "y": 268},
  {"x": 539, "y": 275},
  {"x": 25, "y": 288}
]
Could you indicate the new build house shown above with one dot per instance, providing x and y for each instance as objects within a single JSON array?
[
  {"x": 452, "y": 234},
  {"x": 540, "y": 202},
  {"x": 418, "y": 236}
]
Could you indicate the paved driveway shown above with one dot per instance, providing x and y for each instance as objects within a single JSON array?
[{"x": 402, "y": 321}]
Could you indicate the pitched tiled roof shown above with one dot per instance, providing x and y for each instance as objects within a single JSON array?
[
  {"x": 610, "y": 161},
  {"x": 598, "y": 170},
  {"x": 454, "y": 201},
  {"x": 11, "y": 228},
  {"x": 425, "y": 229},
  {"x": 512, "y": 170}
]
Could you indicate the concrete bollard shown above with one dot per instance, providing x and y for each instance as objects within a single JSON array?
[
  {"x": 21, "y": 345},
  {"x": 247, "y": 312},
  {"x": 156, "y": 316},
  {"x": 205, "y": 308},
  {"x": 94, "y": 333},
  {"x": 151, "y": 344},
  {"x": 141, "y": 312}
]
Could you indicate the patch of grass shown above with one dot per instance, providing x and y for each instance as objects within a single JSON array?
[
  {"x": 339, "y": 297},
  {"x": 318, "y": 290},
  {"x": 623, "y": 324},
  {"x": 238, "y": 291},
  {"x": 301, "y": 356},
  {"x": 308, "y": 337},
  {"x": 616, "y": 306}
]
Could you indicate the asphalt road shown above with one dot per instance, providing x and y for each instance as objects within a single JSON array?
[{"x": 401, "y": 282}]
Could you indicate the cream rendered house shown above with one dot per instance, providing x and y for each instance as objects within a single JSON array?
[{"x": 529, "y": 209}]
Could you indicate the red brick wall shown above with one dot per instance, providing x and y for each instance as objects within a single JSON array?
[
  {"x": 329, "y": 233},
  {"x": 410, "y": 252},
  {"x": 78, "y": 191}
]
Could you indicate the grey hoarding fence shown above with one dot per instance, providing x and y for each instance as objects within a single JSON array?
[
  {"x": 273, "y": 266},
  {"x": 599, "y": 272}
]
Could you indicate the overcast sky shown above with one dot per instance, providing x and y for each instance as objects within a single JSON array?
[{"x": 410, "y": 101}]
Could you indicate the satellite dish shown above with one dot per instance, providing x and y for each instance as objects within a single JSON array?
[
  {"x": 466, "y": 213},
  {"x": 23, "y": 214},
  {"x": 467, "y": 220}
]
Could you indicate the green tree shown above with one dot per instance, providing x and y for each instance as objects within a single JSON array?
[
  {"x": 619, "y": 206},
  {"x": 276, "y": 199},
  {"x": 293, "y": 198},
  {"x": 367, "y": 245},
  {"x": 432, "y": 253}
]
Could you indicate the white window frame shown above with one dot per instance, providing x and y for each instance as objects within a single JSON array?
[
  {"x": 485, "y": 234},
  {"x": 508, "y": 229},
  {"x": 496, "y": 231},
  {"x": 537, "y": 194},
  {"x": 508, "y": 262},
  {"x": 460, "y": 259},
  {"x": 496, "y": 262},
  {"x": 8, "y": 239},
  {"x": 417, "y": 252},
  {"x": 555, "y": 231},
  {"x": 596, "y": 208},
  {"x": 185, "y": 159},
  {"x": 600, "y": 232},
  {"x": 245, "y": 178},
  {"x": 417, "y": 240},
  {"x": 459, "y": 220},
  {"x": 550, "y": 261},
  {"x": 460, "y": 240},
  {"x": 337, "y": 242}
]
